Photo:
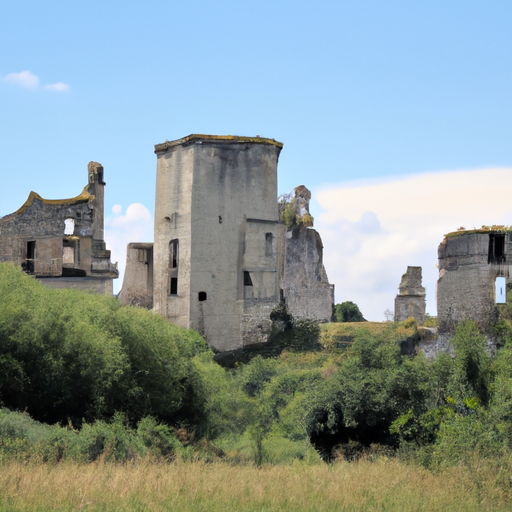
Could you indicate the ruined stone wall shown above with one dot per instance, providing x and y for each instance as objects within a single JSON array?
[
  {"x": 138, "y": 276},
  {"x": 410, "y": 302},
  {"x": 88, "y": 284},
  {"x": 60, "y": 238},
  {"x": 467, "y": 273},
  {"x": 173, "y": 222},
  {"x": 305, "y": 284}
]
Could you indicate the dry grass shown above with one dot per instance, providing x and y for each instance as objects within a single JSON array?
[
  {"x": 148, "y": 486},
  {"x": 337, "y": 335}
]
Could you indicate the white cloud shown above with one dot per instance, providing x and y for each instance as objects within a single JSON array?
[
  {"x": 373, "y": 230},
  {"x": 58, "y": 87},
  {"x": 28, "y": 80},
  {"x": 24, "y": 79},
  {"x": 136, "y": 225}
]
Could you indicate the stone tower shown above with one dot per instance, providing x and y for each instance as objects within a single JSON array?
[
  {"x": 217, "y": 254},
  {"x": 473, "y": 274}
]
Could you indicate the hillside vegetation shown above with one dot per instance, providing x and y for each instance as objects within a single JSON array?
[{"x": 83, "y": 379}]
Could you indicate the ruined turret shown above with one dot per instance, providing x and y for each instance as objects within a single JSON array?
[
  {"x": 410, "y": 301},
  {"x": 473, "y": 274}
]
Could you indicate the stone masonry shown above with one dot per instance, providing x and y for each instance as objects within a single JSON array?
[
  {"x": 473, "y": 273},
  {"x": 410, "y": 301},
  {"x": 218, "y": 261},
  {"x": 305, "y": 285},
  {"x": 61, "y": 242}
]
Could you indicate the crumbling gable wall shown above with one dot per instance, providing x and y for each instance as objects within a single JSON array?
[
  {"x": 410, "y": 302},
  {"x": 469, "y": 264},
  {"x": 62, "y": 240}
]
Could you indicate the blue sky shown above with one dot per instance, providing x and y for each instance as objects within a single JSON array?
[{"x": 361, "y": 93}]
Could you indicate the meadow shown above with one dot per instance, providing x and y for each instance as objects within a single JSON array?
[{"x": 149, "y": 485}]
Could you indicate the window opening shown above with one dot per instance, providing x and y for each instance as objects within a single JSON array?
[
  {"x": 70, "y": 252},
  {"x": 68, "y": 255},
  {"x": 173, "y": 266},
  {"x": 142, "y": 255},
  {"x": 247, "y": 278},
  {"x": 173, "y": 248},
  {"x": 31, "y": 257},
  {"x": 501, "y": 290},
  {"x": 268, "y": 244},
  {"x": 496, "y": 248},
  {"x": 201, "y": 296},
  {"x": 69, "y": 228}
]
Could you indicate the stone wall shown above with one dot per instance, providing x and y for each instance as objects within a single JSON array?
[
  {"x": 61, "y": 238},
  {"x": 138, "y": 276},
  {"x": 469, "y": 263},
  {"x": 216, "y": 208},
  {"x": 305, "y": 285}
]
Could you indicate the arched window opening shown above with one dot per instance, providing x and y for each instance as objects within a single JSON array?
[{"x": 69, "y": 228}]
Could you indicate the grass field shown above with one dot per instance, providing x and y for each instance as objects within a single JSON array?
[
  {"x": 340, "y": 335},
  {"x": 384, "y": 485}
]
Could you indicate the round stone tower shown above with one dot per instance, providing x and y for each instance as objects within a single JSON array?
[{"x": 474, "y": 269}]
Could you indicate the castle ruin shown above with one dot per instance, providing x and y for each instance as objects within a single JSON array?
[
  {"x": 222, "y": 260},
  {"x": 61, "y": 242},
  {"x": 473, "y": 276},
  {"x": 410, "y": 301}
]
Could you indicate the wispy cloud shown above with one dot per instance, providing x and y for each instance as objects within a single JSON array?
[
  {"x": 28, "y": 80},
  {"x": 135, "y": 225},
  {"x": 24, "y": 79},
  {"x": 58, "y": 87},
  {"x": 372, "y": 231}
]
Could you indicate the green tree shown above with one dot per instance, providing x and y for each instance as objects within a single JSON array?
[
  {"x": 348, "y": 312},
  {"x": 71, "y": 355}
]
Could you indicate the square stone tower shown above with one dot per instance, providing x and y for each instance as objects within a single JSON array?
[{"x": 218, "y": 253}]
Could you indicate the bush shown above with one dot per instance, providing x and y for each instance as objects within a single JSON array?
[
  {"x": 67, "y": 355},
  {"x": 348, "y": 312}
]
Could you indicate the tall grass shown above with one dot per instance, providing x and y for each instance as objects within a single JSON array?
[{"x": 148, "y": 485}]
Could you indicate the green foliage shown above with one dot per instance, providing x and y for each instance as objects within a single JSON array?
[
  {"x": 23, "y": 438},
  {"x": 288, "y": 213},
  {"x": 348, "y": 312},
  {"x": 113, "y": 383},
  {"x": 66, "y": 355},
  {"x": 471, "y": 375}
]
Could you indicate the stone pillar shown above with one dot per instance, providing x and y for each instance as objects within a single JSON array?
[{"x": 410, "y": 301}]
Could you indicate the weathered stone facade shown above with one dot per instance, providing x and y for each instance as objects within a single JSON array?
[
  {"x": 473, "y": 273},
  {"x": 410, "y": 301},
  {"x": 305, "y": 285},
  {"x": 138, "y": 276},
  {"x": 218, "y": 259},
  {"x": 61, "y": 241}
]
